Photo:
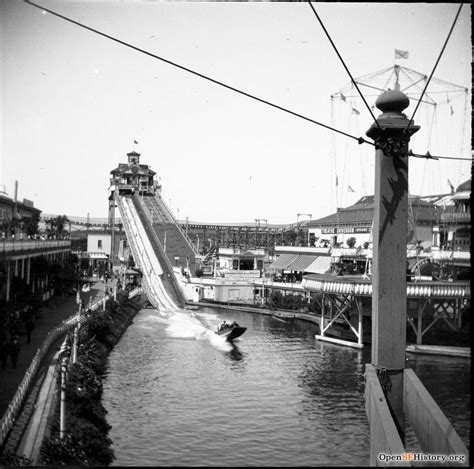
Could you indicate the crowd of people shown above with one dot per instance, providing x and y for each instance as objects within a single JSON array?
[{"x": 24, "y": 237}]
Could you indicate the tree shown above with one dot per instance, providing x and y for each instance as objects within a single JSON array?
[
  {"x": 351, "y": 242},
  {"x": 55, "y": 226},
  {"x": 30, "y": 224}
]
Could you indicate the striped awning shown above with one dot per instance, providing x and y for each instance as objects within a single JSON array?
[
  {"x": 320, "y": 265},
  {"x": 98, "y": 255},
  {"x": 301, "y": 262},
  {"x": 283, "y": 261}
]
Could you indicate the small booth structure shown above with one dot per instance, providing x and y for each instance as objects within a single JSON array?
[{"x": 131, "y": 278}]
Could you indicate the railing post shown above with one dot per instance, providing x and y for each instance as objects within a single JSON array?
[
  {"x": 74, "y": 345},
  {"x": 62, "y": 408}
]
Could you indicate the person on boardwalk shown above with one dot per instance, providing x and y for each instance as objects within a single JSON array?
[
  {"x": 14, "y": 349},
  {"x": 3, "y": 351},
  {"x": 29, "y": 326}
]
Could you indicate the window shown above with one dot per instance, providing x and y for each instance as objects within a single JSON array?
[{"x": 99, "y": 244}]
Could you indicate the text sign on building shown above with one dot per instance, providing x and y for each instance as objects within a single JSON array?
[
  {"x": 346, "y": 229},
  {"x": 28, "y": 203}
]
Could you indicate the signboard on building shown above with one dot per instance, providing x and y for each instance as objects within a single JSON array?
[
  {"x": 28, "y": 202},
  {"x": 244, "y": 275},
  {"x": 346, "y": 230}
]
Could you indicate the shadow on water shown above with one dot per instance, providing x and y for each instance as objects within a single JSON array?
[{"x": 235, "y": 354}]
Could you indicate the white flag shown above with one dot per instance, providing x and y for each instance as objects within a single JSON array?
[{"x": 401, "y": 54}]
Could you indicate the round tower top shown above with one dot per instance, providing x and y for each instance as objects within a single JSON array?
[{"x": 392, "y": 101}]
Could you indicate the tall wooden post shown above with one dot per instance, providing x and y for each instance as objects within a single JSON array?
[
  {"x": 62, "y": 407},
  {"x": 112, "y": 204},
  {"x": 389, "y": 299}
]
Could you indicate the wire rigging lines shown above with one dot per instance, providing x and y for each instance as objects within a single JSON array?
[
  {"x": 435, "y": 66},
  {"x": 343, "y": 63},
  {"x": 355, "y": 83},
  {"x": 360, "y": 140}
]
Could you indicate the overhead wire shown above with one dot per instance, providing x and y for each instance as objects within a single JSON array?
[
  {"x": 434, "y": 157},
  {"x": 435, "y": 66},
  {"x": 343, "y": 63},
  {"x": 360, "y": 140}
]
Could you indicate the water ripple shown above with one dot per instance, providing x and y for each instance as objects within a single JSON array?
[{"x": 177, "y": 395}]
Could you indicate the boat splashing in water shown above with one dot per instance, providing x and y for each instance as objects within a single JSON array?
[{"x": 230, "y": 330}]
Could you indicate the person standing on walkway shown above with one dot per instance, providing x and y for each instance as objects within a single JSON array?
[
  {"x": 29, "y": 326},
  {"x": 14, "y": 349},
  {"x": 3, "y": 351}
]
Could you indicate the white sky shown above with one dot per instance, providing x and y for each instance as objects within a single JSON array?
[{"x": 73, "y": 102}]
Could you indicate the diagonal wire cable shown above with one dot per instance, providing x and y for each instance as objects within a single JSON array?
[
  {"x": 343, "y": 63},
  {"x": 434, "y": 68},
  {"x": 360, "y": 140},
  {"x": 429, "y": 156}
]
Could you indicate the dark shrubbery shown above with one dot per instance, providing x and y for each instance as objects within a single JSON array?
[
  {"x": 86, "y": 441},
  {"x": 289, "y": 301},
  {"x": 65, "y": 451},
  {"x": 7, "y": 458}
]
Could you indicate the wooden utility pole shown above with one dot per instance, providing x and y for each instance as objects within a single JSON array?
[{"x": 391, "y": 135}]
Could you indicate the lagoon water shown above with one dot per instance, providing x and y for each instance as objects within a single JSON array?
[{"x": 179, "y": 395}]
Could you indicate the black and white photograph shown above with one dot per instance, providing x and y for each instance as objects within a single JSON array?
[{"x": 235, "y": 233}]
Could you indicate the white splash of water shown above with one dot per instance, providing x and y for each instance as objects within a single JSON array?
[{"x": 188, "y": 325}]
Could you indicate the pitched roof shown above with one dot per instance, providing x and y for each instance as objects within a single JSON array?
[
  {"x": 362, "y": 212},
  {"x": 126, "y": 169},
  {"x": 464, "y": 187}
]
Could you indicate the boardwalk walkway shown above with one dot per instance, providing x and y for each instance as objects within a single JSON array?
[{"x": 48, "y": 318}]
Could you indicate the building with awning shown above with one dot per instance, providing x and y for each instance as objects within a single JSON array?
[
  {"x": 283, "y": 261},
  {"x": 302, "y": 260},
  {"x": 355, "y": 222},
  {"x": 320, "y": 265}
]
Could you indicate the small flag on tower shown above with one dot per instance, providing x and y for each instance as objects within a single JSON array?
[{"x": 401, "y": 54}]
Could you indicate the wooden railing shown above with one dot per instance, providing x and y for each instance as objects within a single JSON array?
[
  {"x": 384, "y": 437},
  {"x": 20, "y": 245},
  {"x": 15, "y": 405},
  {"x": 433, "y": 430}
]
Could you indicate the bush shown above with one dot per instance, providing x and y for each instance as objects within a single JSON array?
[
  {"x": 289, "y": 301},
  {"x": 351, "y": 242},
  {"x": 7, "y": 458},
  {"x": 199, "y": 273},
  {"x": 64, "y": 452},
  {"x": 94, "y": 356},
  {"x": 94, "y": 443},
  {"x": 100, "y": 327},
  {"x": 87, "y": 441}
]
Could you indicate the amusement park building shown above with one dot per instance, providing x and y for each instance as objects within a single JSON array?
[
  {"x": 440, "y": 221},
  {"x": 452, "y": 232},
  {"x": 356, "y": 222},
  {"x": 15, "y": 216}
]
